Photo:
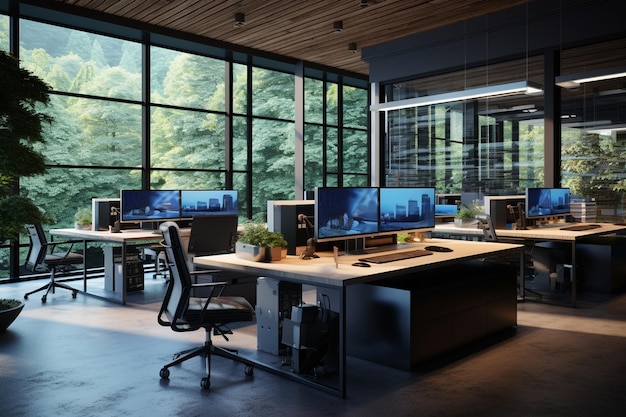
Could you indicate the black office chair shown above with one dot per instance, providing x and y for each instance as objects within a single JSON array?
[
  {"x": 183, "y": 312},
  {"x": 44, "y": 256},
  {"x": 489, "y": 235}
]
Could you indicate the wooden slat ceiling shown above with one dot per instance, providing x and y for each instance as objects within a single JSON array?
[{"x": 300, "y": 29}]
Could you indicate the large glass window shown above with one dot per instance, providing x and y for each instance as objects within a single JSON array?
[
  {"x": 110, "y": 134},
  {"x": 593, "y": 121},
  {"x": 4, "y": 33}
]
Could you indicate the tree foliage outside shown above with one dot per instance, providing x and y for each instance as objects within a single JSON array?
[{"x": 96, "y": 145}]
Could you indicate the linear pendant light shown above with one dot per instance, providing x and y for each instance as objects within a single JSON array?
[
  {"x": 575, "y": 80},
  {"x": 499, "y": 90}
]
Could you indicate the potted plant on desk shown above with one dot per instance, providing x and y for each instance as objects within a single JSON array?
[
  {"x": 466, "y": 215},
  {"x": 83, "y": 218},
  {"x": 257, "y": 243}
]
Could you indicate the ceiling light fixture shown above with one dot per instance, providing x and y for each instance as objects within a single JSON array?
[
  {"x": 352, "y": 47},
  {"x": 240, "y": 20},
  {"x": 521, "y": 87},
  {"x": 338, "y": 26},
  {"x": 575, "y": 80}
]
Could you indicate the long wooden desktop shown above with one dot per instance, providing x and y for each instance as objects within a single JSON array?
[
  {"x": 331, "y": 277},
  {"x": 550, "y": 232},
  {"x": 125, "y": 238}
]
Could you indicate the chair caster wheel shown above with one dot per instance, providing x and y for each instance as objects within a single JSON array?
[
  {"x": 43, "y": 299},
  {"x": 73, "y": 294},
  {"x": 164, "y": 373},
  {"x": 25, "y": 297},
  {"x": 205, "y": 383},
  {"x": 249, "y": 370}
]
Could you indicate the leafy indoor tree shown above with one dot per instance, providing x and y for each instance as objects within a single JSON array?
[{"x": 20, "y": 128}]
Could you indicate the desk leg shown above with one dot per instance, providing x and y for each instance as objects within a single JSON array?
[
  {"x": 342, "y": 343},
  {"x": 522, "y": 275},
  {"x": 84, "y": 265},
  {"x": 124, "y": 274},
  {"x": 573, "y": 274}
]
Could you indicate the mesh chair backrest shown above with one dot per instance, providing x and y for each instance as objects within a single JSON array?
[
  {"x": 174, "y": 303},
  {"x": 35, "y": 260}
]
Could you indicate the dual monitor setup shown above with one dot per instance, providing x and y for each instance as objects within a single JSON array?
[
  {"x": 360, "y": 212},
  {"x": 137, "y": 206},
  {"x": 147, "y": 208}
]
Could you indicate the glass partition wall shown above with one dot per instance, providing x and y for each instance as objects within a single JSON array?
[
  {"x": 497, "y": 145},
  {"x": 486, "y": 146}
]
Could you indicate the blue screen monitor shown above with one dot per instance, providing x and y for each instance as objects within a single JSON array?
[
  {"x": 446, "y": 209},
  {"x": 345, "y": 213},
  {"x": 542, "y": 202},
  {"x": 149, "y": 205},
  {"x": 407, "y": 209},
  {"x": 208, "y": 202}
]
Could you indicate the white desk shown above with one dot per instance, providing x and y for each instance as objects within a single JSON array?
[
  {"x": 551, "y": 232},
  {"x": 131, "y": 236},
  {"x": 323, "y": 273}
]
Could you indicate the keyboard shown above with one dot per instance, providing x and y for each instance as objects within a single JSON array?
[
  {"x": 396, "y": 256},
  {"x": 580, "y": 227}
]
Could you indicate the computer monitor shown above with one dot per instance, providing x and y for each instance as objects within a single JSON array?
[
  {"x": 407, "y": 209},
  {"x": 446, "y": 209},
  {"x": 208, "y": 202},
  {"x": 544, "y": 202},
  {"x": 345, "y": 213},
  {"x": 149, "y": 205},
  {"x": 213, "y": 234}
]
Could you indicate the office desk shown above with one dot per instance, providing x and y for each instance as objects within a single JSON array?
[
  {"x": 545, "y": 233},
  {"x": 325, "y": 275},
  {"x": 130, "y": 236}
]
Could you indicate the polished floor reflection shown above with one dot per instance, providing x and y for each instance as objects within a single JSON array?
[{"x": 88, "y": 357}]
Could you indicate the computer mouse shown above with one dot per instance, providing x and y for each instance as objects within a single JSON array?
[
  {"x": 434, "y": 248},
  {"x": 365, "y": 264}
]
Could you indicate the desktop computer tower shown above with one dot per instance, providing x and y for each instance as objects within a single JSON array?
[
  {"x": 282, "y": 217},
  {"x": 274, "y": 300},
  {"x": 113, "y": 269},
  {"x": 102, "y": 214}
]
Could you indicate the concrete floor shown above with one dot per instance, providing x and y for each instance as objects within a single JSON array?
[{"x": 88, "y": 357}]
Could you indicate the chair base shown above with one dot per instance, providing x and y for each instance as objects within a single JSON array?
[
  {"x": 50, "y": 286},
  {"x": 207, "y": 350}
]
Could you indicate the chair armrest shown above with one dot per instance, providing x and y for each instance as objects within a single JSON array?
[
  {"x": 52, "y": 245},
  {"x": 219, "y": 288},
  {"x": 205, "y": 271}
]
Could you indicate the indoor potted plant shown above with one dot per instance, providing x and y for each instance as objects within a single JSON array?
[
  {"x": 466, "y": 216},
  {"x": 9, "y": 310},
  {"x": 82, "y": 218},
  {"x": 21, "y": 126},
  {"x": 257, "y": 243}
]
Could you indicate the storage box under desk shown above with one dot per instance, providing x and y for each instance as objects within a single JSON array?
[{"x": 406, "y": 321}]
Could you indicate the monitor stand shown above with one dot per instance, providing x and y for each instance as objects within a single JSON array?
[{"x": 355, "y": 246}]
